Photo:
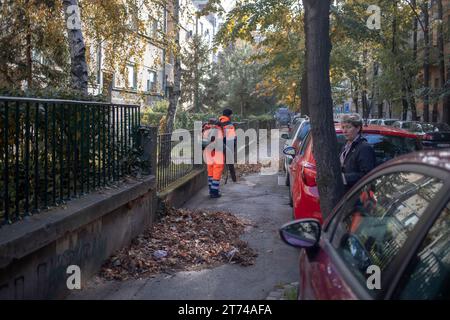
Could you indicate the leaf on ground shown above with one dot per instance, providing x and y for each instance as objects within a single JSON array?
[{"x": 183, "y": 240}]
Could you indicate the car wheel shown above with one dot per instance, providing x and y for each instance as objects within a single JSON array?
[
  {"x": 291, "y": 202},
  {"x": 299, "y": 286}
]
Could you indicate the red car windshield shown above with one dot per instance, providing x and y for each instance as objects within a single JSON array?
[{"x": 386, "y": 147}]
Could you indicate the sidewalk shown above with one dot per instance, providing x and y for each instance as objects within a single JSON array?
[{"x": 257, "y": 198}]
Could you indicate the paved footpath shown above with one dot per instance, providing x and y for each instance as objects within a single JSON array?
[{"x": 257, "y": 198}]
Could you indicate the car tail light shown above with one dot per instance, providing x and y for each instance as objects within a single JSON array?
[
  {"x": 309, "y": 175},
  {"x": 428, "y": 137}
]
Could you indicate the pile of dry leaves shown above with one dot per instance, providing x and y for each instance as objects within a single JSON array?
[
  {"x": 182, "y": 240},
  {"x": 245, "y": 169}
]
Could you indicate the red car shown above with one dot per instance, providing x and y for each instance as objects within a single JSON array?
[
  {"x": 388, "y": 238},
  {"x": 387, "y": 142}
]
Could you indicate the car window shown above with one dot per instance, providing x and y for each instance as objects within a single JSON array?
[
  {"x": 386, "y": 147},
  {"x": 397, "y": 124},
  {"x": 415, "y": 127},
  {"x": 389, "y": 122},
  {"x": 407, "y": 125},
  {"x": 375, "y": 222},
  {"x": 429, "y": 275},
  {"x": 295, "y": 129},
  {"x": 301, "y": 135},
  {"x": 427, "y": 127},
  {"x": 389, "y": 147},
  {"x": 304, "y": 144},
  {"x": 442, "y": 127}
]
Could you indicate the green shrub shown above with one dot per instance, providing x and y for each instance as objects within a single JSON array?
[{"x": 53, "y": 93}]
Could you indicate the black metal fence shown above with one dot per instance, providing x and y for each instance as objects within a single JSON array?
[
  {"x": 174, "y": 161},
  {"x": 172, "y": 164},
  {"x": 55, "y": 150}
]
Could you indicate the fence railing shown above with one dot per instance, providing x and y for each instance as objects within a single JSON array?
[
  {"x": 169, "y": 169},
  {"x": 54, "y": 150},
  {"x": 172, "y": 164}
]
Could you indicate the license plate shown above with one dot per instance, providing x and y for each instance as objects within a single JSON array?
[{"x": 443, "y": 145}]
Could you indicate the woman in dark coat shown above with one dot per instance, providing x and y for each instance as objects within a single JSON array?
[{"x": 357, "y": 156}]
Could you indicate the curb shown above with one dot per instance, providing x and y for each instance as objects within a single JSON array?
[{"x": 280, "y": 293}]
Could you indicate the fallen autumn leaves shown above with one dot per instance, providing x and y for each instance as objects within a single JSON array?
[
  {"x": 246, "y": 169},
  {"x": 182, "y": 240}
]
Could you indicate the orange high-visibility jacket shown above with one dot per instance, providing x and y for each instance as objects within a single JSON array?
[{"x": 228, "y": 128}]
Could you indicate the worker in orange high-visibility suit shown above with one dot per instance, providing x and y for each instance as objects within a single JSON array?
[
  {"x": 229, "y": 141},
  {"x": 229, "y": 130},
  {"x": 213, "y": 155}
]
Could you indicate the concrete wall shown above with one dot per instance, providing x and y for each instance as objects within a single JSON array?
[
  {"x": 185, "y": 188},
  {"x": 35, "y": 254}
]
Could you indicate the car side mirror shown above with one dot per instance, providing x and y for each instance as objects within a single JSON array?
[
  {"x": 289, "y": 151},
  {"x": 285, "y": 136},
  {"x": 304, "y": 233}
]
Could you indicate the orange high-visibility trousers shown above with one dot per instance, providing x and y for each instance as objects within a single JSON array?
[{"x": 215, "y": 164}]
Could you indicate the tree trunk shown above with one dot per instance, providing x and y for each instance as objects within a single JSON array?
[
  {"x": 380, "y": 110},
  {"x": 355, "y": 101},
  {"x": 29, "y": 49},
  {"x": 197, "y": 43},
  {"x": 304, "y": 93},
  {"x": 174, "y": 94},
  {"x": 365, "y": 104},
  {"x": 412, "y": 99},
  {"x": 404, "y": 104},
  {"x": 426, "y": 63},
  {"x": 77, "y": 48},
  {"x": 375, "y": 76},
  {"x": 441, "y": 52},
  {"x": 318, "y": 46},
  {"x": 304, "y": 83}
]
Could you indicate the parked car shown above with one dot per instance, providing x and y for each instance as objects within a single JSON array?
[
  {"x": 283, "y": 117},
  {"x": 300, "y": 132},
  {"x": 434, "y": 135},
  {"x": 385, "y": 122},
  {"x": 371, "y": 121},
  {"x": 299, "y": 118},
  {"x": 411, "y": 126},
  {"x": 387, "y": 142},
  {"x": 388, "y": 238},
  {"x": 437, "y": 135}
]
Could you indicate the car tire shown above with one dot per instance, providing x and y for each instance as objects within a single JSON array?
[
  {"x": 291, "y": 202},
  {"x": 299, "y": 293}
]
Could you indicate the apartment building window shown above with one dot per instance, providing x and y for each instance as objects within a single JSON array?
[
  {"x": 151, "y": 80},
  {"x": 153, "y": 27},
  {"x": 132, "y": 76},
  {"x": 188, "y": 34}
]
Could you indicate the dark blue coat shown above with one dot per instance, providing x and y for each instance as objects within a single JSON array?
[{"x": 358, "y": 162}]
